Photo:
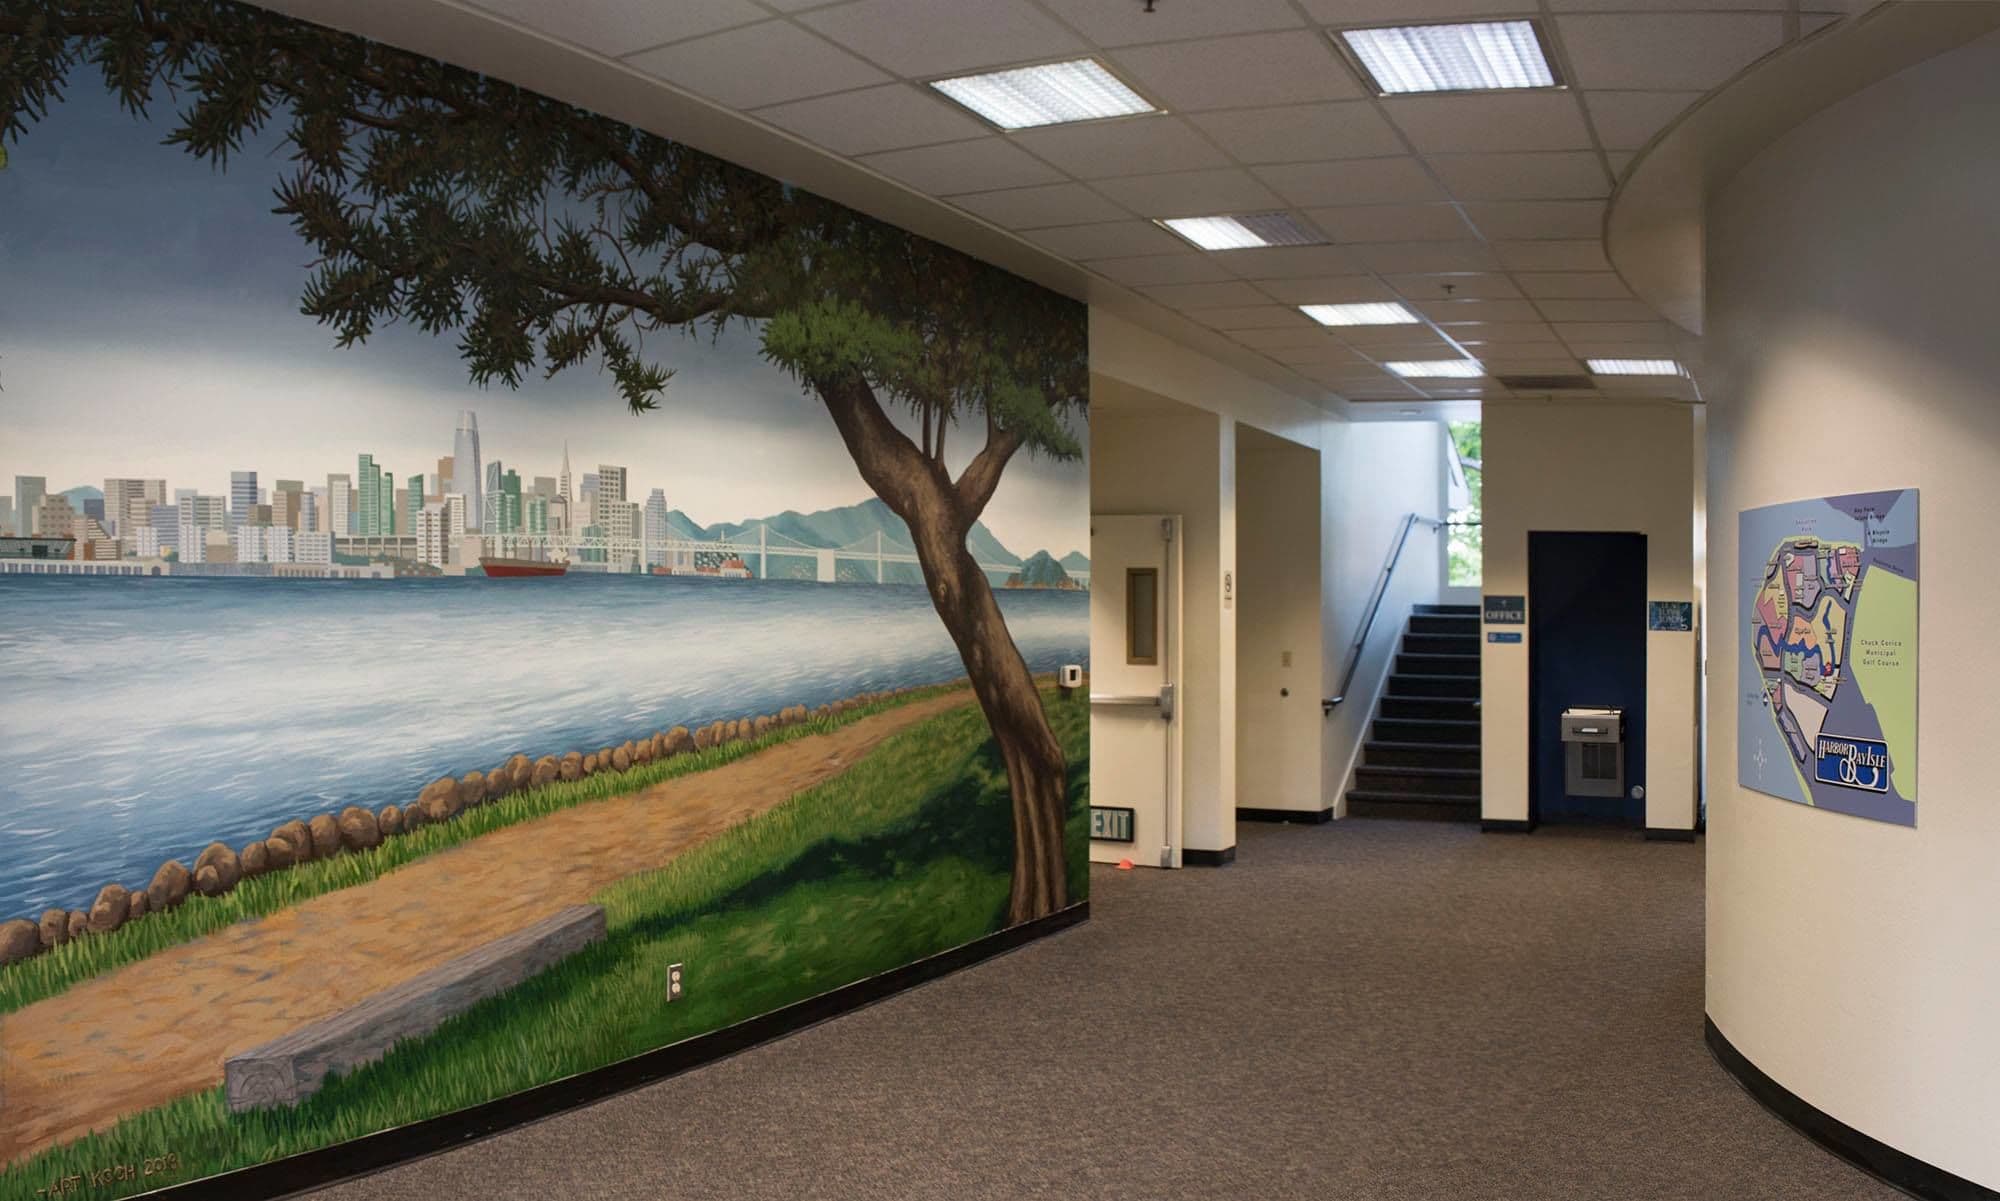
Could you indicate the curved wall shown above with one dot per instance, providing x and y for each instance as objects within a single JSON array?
[{"x": 1852, "y": 347}]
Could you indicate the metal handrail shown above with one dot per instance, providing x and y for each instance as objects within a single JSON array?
[{"x": 1375, "y": 605}]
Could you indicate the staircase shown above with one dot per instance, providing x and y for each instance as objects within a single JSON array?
[{"x": 1422, "y": 755}]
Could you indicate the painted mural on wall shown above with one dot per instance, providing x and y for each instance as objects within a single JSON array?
[
  {"x": 464, "y": 558},
  {"x": 1828, "y": 715}
]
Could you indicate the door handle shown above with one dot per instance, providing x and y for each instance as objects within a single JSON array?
[{"x": 1163, "y": 701}]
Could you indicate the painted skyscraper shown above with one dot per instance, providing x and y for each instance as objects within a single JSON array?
[{"x": 466, "y": 473}]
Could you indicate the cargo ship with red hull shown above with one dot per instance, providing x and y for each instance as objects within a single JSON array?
[{"x": 520, "y": 568}]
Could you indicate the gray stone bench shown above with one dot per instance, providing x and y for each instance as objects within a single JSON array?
[{"x": 288, "y": 1069}]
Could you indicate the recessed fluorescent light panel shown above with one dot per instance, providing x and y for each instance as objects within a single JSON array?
[
  {"x": 1635, "y": 367},
  {"x": 1051, "y": 94},
  {"x": 1245, "y": 232},
  {"x": 1438, "y": 369},
  {"x": 1452, "y": 58},
  {"x": 1377, "y": 313}
]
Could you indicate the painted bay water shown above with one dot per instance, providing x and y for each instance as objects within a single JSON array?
[{"x": 141, "y": 719}]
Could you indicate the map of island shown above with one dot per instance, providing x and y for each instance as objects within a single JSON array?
[{"x": 1830, "y": 708}]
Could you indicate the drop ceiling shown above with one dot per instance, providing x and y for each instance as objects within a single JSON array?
[{"x": 1481, "y": 212}]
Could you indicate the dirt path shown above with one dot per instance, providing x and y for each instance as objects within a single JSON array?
[{"x": 160, "y": 1028}]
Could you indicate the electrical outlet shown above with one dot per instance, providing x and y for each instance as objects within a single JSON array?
[
  {"x": 675, "y": 975},
  {"x": 1284, "y": 658}
]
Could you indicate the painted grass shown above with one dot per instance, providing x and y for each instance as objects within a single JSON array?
[
  {"x": 50, "y": 973},
  {"x": 906, "y": 854}
]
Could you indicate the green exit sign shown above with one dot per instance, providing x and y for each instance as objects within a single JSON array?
[{"x": 1110, "y": 824}]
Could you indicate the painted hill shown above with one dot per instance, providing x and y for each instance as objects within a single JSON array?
[
  {"x": 847, "y": 526},
  {"x": 1041, "y": 571},
  {"x": 1075, "y": 560}
]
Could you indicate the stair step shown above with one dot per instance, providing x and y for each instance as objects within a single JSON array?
[
  {"x": 1420, "y": 754},
  {"x": 1395, "y": 729},
  {"x": 1440, "y": 644},
  {"x": 1364, "y": 803},
  {"x": 1419, "y": 781},
  {"x": 1449, "y": 708},
  {"x": 1446, "y": 610},
  {"x": 1456, "y": 687},
  {"x": 1437, "y": 665},
  {"x": 1434, "y": 623}
]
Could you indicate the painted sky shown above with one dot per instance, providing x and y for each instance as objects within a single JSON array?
[{"x": 149, "y": 327}]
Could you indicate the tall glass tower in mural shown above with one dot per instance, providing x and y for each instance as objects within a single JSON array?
[{"x": 466, "y": 476}]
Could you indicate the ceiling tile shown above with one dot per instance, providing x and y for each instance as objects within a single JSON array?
[
  {"x": 1538, "y": 218},
  {"x": 980, "y": 165},
  {"x": 627, "y": 25},
  {"x": 890, "y": 117},
  {"x": 1465, "y": 285},
  {"x": 1324, "y": 289},
  {"x": 1659, "y": 5},
  {"x": 1145, "y": 269},
  {"x": 1109, "y": 240},
  {"x": 1596, "y": 310},
  {"x": 1327, "y": 353},
  {"x": 1456, "y": 311},
  {"x": 1392, "y": 257},
  {"x": 1269, "y": 316},
  {"x": 1543, "y": 175},
  {"x": 1582, "y": 254},
  {"x": 1239, "y": 72},
  {"x": 1627, "y": 120},
  {"x": 1349, "y": 12},
  {"x": 918, "y": 38},
  {"x": 1693, "y": 51},
  {"x": 1389, "y": 341},
  {"x": 1574, "y": 285},
  {"x": 1506, "y": 334},
  {"x": 1134, "y": 146},
  {"x": 758, "y": 65},
  {"x": 1289, "y": 262},
  {"x": 1301, "y": 132},
  {"x": 1281, "y": 339},
  {"x": 1555, "y": 365},
  {"x": 1393, "y": 223},
  {"x": 1043, "y": 205},
  {"x": 1233, "y": 294},
  {"x": 1353, "y": 181},
  {"x": 1575, "y": 332},
  {"x": 1190, "y": 193},
  {"x": 1491, "y": 122},
  {"x": 1118, "y": 24}
]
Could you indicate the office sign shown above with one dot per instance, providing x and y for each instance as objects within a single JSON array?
[
  {"x": 1672, "y": 616},
  {"x": 1505, "y": 611}
]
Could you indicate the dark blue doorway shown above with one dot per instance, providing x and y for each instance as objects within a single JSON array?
[{"x": 1587, "y": 647}]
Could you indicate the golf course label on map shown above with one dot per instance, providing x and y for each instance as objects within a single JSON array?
[{"x": 1829, "y": 706}]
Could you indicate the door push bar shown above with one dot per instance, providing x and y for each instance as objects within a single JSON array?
[{"x": 1164, "y": 702}]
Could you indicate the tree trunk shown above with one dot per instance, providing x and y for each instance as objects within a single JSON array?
[{"x": 916, "y": 488}]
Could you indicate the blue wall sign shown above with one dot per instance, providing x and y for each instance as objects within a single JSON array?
[
  {"x": 1505, "y": 611},
  {"x": 1503, "y": 636},
  {"x": 1676, "y": 616},
  {"x": 1861, "y": 763}
]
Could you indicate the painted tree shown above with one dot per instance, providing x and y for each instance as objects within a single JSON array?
[{"x": 546, "y": 238}]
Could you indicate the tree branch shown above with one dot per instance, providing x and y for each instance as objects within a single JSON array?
[{"x": 982, "y": 475}]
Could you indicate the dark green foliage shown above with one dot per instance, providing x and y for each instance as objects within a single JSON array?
[{"x": 543, "y": 236}]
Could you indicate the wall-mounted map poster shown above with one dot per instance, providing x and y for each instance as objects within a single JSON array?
[{"x": 1829, "y": 705}]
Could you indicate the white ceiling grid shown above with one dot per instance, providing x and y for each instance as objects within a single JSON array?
[{"x": 1480, "y": 212}]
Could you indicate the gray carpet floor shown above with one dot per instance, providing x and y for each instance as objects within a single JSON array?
[{"x": 1365, "y": 1010}]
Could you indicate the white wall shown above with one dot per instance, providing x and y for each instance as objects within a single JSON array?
[
  {"x": 1373, "y": 474},
  {"x": 1279, "y": 625},
  {"x": 1602, "y": 466},
  {"x": 1175, "y": 460},
  {"x": 1850, "y": 270}
]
